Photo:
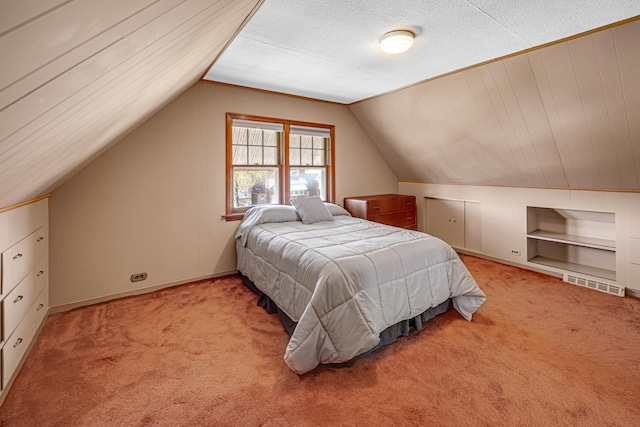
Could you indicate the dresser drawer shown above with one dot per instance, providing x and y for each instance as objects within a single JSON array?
[
  {"x": 18, "y": 343},
  {"x": 405, "y": 219},
  {"x": 383, "y": 206},
  {"x": 21, "y": 257},
  {"x": 390, "y": 209},
  {"x": 16, "y": 304}
]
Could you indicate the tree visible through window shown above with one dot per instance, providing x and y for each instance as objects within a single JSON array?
[{"x": 271, "y": 161}]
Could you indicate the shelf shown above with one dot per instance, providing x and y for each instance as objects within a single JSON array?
[
  {"x": 577, "y": 268},
  {"x": 572, "y": 239},
  {"x": 579, "y": 241}
]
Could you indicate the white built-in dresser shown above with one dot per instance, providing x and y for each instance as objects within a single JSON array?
[{"x": 24, "y": 283}]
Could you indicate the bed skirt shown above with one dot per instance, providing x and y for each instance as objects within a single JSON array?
[{"x": 388, "y": 336}]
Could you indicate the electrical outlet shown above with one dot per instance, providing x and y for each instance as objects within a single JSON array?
[
  {"x": 138, "y": 277},
  {"x": 515, "y": 252}
]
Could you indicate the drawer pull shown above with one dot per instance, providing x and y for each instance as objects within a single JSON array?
[
  {"x": 376, "y": 207},
  {"x": 18, "y": 299},
  {"x": 40, "y": 239},
  {"x": 18, "y": 342},
  {"x": 39, "y": 307},
  {"x": 40, "y": 273},
  {"x": 17, "y": 256},
  {"x": 409, "y": 203},
  {"x": 409, "y": 218}
]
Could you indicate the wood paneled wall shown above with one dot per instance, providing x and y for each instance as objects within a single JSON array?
[
  {"x": 78, "y": 75},
  {"x": 564, "y": 116}
]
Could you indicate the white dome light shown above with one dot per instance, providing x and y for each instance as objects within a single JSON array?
[{"x": 396, "y": 41}]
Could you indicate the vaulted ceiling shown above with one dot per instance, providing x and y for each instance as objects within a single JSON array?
[
  {"x": 566, "y": 116},
  {"x": 76, "y": 76}
]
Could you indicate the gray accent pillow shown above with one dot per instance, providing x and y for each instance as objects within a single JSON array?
[
  {"x": 311, "y": 209},
  {"x": 336, "y": 210}
]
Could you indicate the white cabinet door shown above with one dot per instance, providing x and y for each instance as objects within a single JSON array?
[
  {"x": 472, "y": 226},
  {"x": 445, "y": 220}
]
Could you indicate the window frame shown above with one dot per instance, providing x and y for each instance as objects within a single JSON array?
[{"x": 284, "y": 168}]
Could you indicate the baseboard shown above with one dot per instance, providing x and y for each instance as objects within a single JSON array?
[
  {"x": 513, "y": 264},
  {"x": 633, "y": 292},
  {"x": 628, "y": 291},
  {"x": 139, "y": 291}
]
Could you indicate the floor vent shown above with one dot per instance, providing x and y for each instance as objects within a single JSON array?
[{"x": 594, "y": 284}]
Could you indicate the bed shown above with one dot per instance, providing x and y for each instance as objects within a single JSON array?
[{"x": 345, "y": 281}]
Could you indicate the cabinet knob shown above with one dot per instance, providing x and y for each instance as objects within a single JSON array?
[
  {"x": 17, "y": 256},
  {"x": 40, "y": 273},
  {"x": 18, "y": 341},
  {"x": 40, "y": 239},
  {"x": 18, "y": 299},
  {"x": 40, "y": 307}
]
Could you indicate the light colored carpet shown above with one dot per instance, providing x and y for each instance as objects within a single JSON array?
[{"x": 539, "y": 352}]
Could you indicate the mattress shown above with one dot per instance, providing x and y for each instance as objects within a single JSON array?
[{"x": 345, "y": 281}]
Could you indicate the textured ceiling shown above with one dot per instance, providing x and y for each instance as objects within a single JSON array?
[
  {"x": 75, "y": 76},
  {"x": 327, "y": 49}
]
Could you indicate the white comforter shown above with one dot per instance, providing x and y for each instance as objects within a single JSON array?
[{"x": 347, "y": 280}]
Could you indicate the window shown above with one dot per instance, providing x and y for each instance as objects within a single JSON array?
[{"x": 270, "y": 161}]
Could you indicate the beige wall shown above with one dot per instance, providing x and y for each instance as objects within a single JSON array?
[
  {"x": 153, "y": 202},
  {"x": 503, "y": 222}
]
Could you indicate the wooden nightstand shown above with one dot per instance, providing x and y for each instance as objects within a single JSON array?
[{"x": 390, "y": 209}]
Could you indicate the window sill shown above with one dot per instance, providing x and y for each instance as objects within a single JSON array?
[{"x": 234, "y": 217}]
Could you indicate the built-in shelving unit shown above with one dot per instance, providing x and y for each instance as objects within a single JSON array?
[
  {"x": 573, "y": 240},
  {"x": 24, "y": 284}
]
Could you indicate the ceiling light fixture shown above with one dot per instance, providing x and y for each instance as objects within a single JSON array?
[{"x": 397, "y": 41}]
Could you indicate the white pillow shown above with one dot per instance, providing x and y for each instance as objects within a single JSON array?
[
  {"x": 271, "y": 213},
  {"x": 262, "y": 214},
  {"x": 336, "y": 210},
  {"x": 311, "y": 209}
]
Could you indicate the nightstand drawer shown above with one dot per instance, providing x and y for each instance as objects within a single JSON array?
[
  {"x": 390, "y": 209},
  {"x": 383, "y": 206},
  {"x": 405, "y": 219}
]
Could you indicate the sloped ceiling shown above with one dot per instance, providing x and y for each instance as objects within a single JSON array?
[
  {"x": 76, "y": 76},
  {"x": 567, "y": 116},
  {"x": 328, "y": 49}
]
